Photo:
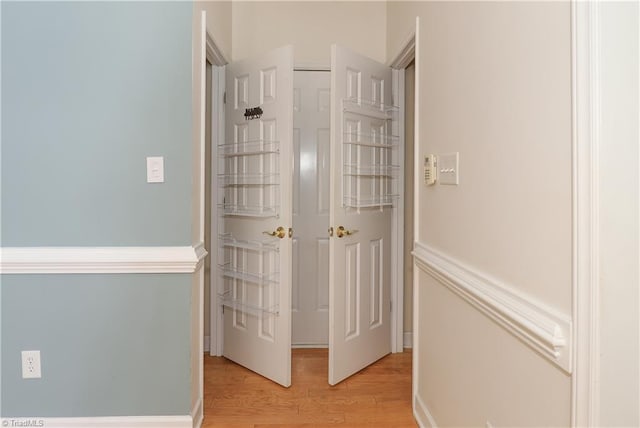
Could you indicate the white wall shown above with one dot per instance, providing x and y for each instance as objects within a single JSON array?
[
  {"x": 494, "y": 85},
  {"x": 619, "y": 215},
  {"x": 473, "y": 371},
  {"x": 311, "y": 27},
  {"x": 218, "y": 23}
]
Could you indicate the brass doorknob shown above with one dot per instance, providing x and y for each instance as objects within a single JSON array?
[
  {"x": 280, "y": 232},
  {"x": 341, "y": 231}
]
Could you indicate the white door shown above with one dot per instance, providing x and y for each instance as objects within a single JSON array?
[
  {"x": 255, "y": 201},
  {"x": 360, "y": 213},
  {"x": 310, "y": 302}
]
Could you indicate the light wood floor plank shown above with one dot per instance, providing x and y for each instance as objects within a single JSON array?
[{"x": 378, "y": 396}]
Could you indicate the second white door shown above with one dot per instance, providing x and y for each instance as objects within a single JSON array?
[
  {"x": 310, "y": 293},
  {"x": 362, "y": 200}
]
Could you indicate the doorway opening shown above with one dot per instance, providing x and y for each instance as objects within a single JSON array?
[
  {"x": 409, "y": 191},
  {"x": 311, "y": 151},
  {"x": 271, "y": 293}
]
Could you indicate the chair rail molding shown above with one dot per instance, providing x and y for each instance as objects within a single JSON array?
[
  {"x": 70, "y": 260},
  {"x": 539, "y": 326}
]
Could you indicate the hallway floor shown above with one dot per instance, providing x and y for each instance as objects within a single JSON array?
[{"x": 378, "y": 396}]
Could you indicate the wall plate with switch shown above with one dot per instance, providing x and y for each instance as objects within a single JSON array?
[
  {"x": 448, "y": 168},
  {"x": 155, "y": 169}
]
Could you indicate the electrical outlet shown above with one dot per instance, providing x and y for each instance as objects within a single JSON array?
[{"x": 31, "y": 365}]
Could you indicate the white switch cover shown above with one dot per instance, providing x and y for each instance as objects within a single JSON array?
[
  {"x": 448, "y": 168},
  {"x": 155, "y": 169},
  {"x": 31, "y": 365}
]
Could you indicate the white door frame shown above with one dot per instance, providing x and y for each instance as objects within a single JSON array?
[
  {"x": 401, "y": 60},
  {"x": 218, "y": 60},
  {"x": 586, "y": 40}
]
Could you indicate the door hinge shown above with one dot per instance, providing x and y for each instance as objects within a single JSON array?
[{"x": 224, "y": 98}]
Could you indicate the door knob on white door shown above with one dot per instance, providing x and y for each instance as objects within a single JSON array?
[
  {"x": 280, "y": 232},
  {"x": 341, "y": 231}
]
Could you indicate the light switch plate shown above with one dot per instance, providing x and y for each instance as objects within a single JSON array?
[
  {"x": 155, "y": 169},
  {"x": 448, "y": 169}
]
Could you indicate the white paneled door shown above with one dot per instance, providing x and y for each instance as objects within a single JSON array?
[
  {"x": 362, "y": 198},
  {"x": 255, "y": 212},
  {"x": 310, "y": 308}
]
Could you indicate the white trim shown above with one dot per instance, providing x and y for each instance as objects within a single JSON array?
[
  {"x": 541, "y": 327},
  {"x": 403, "y": 59},
  {"x": 310, "y": 346},
  {"x": 407, "y": 341},
  {"x": 422, "y": 414},
  {"x": 105, "y": 422},
  {"x": 201, "y": 154},
  {"x": 407, "y": 53},
  {"x": 397, "y": 221},
  {"x": 416, "y": 216},
  {"x": 202, "y": 127},
  {"x": 30, "y": 260},
  {"x": 586, "y": 118},
  {"x": 311, "y": 66},
  {"x": 197, "y": 414},
  {"x": 216, "y": 315},
  {"x": 217, "y": 137},
  {"x": 214, "y": 53}
]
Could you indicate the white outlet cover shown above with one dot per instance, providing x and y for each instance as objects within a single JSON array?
[
  {"x": 448, "y": 169},
  {"x": 155, "y": 169},
  {"x": 31, "y": 365}
]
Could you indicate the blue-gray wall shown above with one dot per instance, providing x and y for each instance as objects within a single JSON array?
[
  {"x": 88, "y": 91},
  {"x": 111, "y": 345}
]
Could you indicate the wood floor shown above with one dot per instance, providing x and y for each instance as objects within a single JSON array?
[{"x": 378, "y": 396}]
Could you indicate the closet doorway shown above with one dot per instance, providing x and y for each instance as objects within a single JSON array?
[{"x": 311, "y": 139}]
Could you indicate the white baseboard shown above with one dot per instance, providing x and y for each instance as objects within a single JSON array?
[
  {"x": 207, "y": 343},
  {"x": 407, "y": 339},
  {"x": 539, "y": 326},
  {"x": 197, "y": 414},
  {"x": 70, "y": 260},
  {"x": 309, "y": 346},
  {"x": 422, "y": 414},
  {"x": 103, "y": 422}
]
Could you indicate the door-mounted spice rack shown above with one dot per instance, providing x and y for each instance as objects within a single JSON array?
[
  {"x": 250, "y": 171},
  {"x": 249, "y": 275},
  {"x": 368, "y": 145}
]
